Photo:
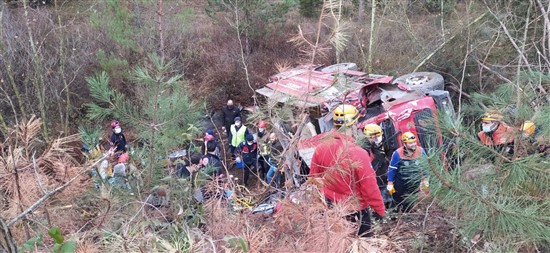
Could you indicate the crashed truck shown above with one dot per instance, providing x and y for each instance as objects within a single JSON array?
[{"x": 408, "y": 103}]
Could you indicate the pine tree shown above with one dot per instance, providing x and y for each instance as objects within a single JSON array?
[
  {"x": 499, "y": 198},
  {"x": 161, "y": 111}
]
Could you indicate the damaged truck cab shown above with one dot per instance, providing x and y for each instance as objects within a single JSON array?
[{"x": 409, "y": 103}]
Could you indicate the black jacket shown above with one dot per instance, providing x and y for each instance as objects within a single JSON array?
[
  {"x": 379, "y": 162},
  {"x": 229, "y": 115},
  {"x": 119, "y": 141}
]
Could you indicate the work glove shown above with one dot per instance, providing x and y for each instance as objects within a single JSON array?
[
  {"x": 238, "y": 159},
  {"x": 390, "y": 189},
  {"x": 425, "y": 185}
]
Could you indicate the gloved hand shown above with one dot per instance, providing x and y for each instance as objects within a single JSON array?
[
  {"x": 390, "y": 189},
  {"x": 238, "y": 159},
  {"x": 425, "y": 185}
]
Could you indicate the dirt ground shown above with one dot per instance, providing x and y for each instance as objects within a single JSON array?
[{"x": 426, "y": 229}]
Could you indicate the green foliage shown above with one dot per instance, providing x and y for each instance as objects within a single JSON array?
[
  {"x": 160, "y": 112},
  {"x": 237, "y": 243},
  {"x": 116, "y": 21},
  {"x": 61, "y": 246},
  {"x": 505, "y": 97},
  {"x": 310, "y": 8},
  {"x": 255, "y": 16},
  {"x": 32, "y": 243},
  {"x": 89, "y": 136},
  {"x": 502, "y": 198},
  {"x": 56, "y": 234},
  {"x": 184, "y": 18},
  {"x": 112, "y": 64}
]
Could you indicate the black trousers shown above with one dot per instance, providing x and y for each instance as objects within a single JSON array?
[
  {"x": 246, "y": 171},
  {"x": 228, "y": 132},
  {"x": 263, "y": 167},
  {"x": 362, "y": 218}
]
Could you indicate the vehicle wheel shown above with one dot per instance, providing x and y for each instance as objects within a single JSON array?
[
  {"x": 339, "y": 67},
  {"x": 422, "y": 81}
]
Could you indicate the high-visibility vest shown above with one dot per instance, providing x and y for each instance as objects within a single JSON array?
[{"x": 237, "y": 135}]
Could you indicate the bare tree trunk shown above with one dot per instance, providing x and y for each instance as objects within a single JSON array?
[
  {"x": 519, "y": 89},
  {"x": 62, "y": 71},
  {"x": 9, "y": 71},
  {"x": 371, "y": 37},
  {"x": 7, "y": 243},
  {"x": 160, "y": 14},
  {"x": 545, "y": 13},
  {"x": 38, "y": 82},
  {"x": 361, "y": 12}
]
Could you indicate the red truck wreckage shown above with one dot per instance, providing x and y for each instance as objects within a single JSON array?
[{"x": 407, "y": 103}]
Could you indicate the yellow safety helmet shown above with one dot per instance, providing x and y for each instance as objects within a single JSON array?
[
  {"x": 528, "y": 127},
  {"x": 345, "y": 115},
  {"x": 492, "y": 116},
  {"x": 408, "y": 137},
  {"x": 372, "y": 129}
]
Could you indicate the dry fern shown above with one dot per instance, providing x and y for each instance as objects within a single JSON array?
[
  {"x": 37, "y": 167},
  {"x": 305, "y": 224}
]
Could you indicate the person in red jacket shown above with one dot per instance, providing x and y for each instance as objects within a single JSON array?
[{"x": 347, "y": 174}]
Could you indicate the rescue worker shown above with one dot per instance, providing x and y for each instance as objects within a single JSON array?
[
  {"x": 238, "y": 133},
  {"x": 495, "y": 133},
  {"x": 273, "y": 159},
  {"x": 118, "y": 143},
  {"x": 405, "y": 173},
  {"x": 536, "y": 144},
  {"x": 211, "y": 163},
  {"x": 373, "y": 145},
  {"x": 209, "y": 136},
  {"x": 117, "y": 140},
  {"x": 347, "y": 175},
  {"x": 262, "y": 125},
  {"x": 345, "y": 116},
  {"x": 230, "y": 111},
  {"x": 263, "y": 144},
  {"x": 248, "y": 151}
]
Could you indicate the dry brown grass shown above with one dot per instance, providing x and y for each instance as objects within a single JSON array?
[
  {"x": 40, "y": 168},
  {"x": 304, "y": 224}
]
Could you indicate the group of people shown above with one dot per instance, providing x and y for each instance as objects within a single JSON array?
[
  {"x": 355, "y": 169},
  {"x": 358, "y": 170},
  {"x": 499, "y": 135},
  {"x": 254, "y": 152}
]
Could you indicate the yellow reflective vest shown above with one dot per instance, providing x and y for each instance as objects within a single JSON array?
[{"x": 237, "y": 135}]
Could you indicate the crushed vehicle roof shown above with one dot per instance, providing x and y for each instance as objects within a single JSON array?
[{"x": 306, "y": 86}]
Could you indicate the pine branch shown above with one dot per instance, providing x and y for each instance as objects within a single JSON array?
[{"x": 99, "y": 87}]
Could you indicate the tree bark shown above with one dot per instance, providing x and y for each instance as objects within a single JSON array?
[
  {"x": 160, "y": 14},
  {"x": 361, "y": 12},
  {"x": 7, "y": 244},
  {"x": 371, "y": 37},
  {"x": 38, "y": 82}
]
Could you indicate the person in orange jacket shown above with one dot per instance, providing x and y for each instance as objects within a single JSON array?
[
  {"x": 347, "y": 174},
  {"x": 496, "y": 133}
]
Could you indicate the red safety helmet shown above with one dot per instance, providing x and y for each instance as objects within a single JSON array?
[
  {"x": 115, "y": 123},
  {"x": 262, "y": 124},
  {"x": 208, "y": 137}
]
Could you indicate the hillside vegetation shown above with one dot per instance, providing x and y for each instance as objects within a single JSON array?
[{"x": 163, "y": 68}]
